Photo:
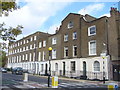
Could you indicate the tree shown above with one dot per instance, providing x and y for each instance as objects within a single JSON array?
[
  {"x": 7, "y": 5},
  {"x": 10, "y": 33},
  {"x": 3, "y": 58}
]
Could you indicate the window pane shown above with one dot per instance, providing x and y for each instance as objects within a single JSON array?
[{"x": 96, "y": 66}]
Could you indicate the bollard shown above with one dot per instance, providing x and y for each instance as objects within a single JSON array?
[
  {"x": 112, "y": 86},
  {"x": 55, "y": 82},
  {"x": 25, "y": 77}
]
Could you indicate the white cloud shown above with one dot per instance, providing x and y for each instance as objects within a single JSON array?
[
  {"x": 33, "y": 14},
  {"x": 107, "y": 14},
  {"x": 90, "y": 9},
  {"x": 53, "y": 28}
]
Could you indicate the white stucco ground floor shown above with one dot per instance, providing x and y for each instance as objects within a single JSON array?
[{"x": 92, "y": 67}]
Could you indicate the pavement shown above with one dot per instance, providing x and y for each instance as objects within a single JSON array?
[{"x": 78, "y": 84}]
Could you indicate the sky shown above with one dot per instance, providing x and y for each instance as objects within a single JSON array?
[{"x": 46, "y": 15}]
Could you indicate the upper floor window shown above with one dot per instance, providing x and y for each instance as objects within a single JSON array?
[
  {"x": 26, "y": 47},
  {"x": 40, "y": 44},
  {"x": 53, "y": 41},
  {"x": 53, "y": 54},
  {"x": 66, "y": 37},
  {"x": 70, "y": 24},
  {"x": 30, "y": 46},
  {"x": 43, "y": 57},
  {"x": 34, "y": 37},
  {"x": 65, "y": 51},
  {"x": 18, "y": 44},
  {"x": 31, "y": 38},
  {"x": 96, "y": 66},
  {"x": 92, "y": 47},
  {"x": 39, "y": 57},
  {"x": 74, "y": 50},
  {"x": 44, "y": 43},
  {"x": 21, "y": 42},
  {"x": 34, "y": 45},
  {"x": 24, "y": 41},
  {"x": 75, "y": 35},
  {"x": 92, "y": 30}
]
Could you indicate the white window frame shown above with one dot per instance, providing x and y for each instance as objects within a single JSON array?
[
  {"x": 74, "y": 50},
  {"x": 26, "y": 57},
  {"x": 96, "y": 67},
  {"x": 35, "y": 37},
  {"x": 65, "y": 48},
  {"x": 34, "y": 45},
  {"x": 44, "y": 43},
  {"x": 33, "y": 56},
  {"x": 54, "y": 40},
  {"x": 30, "y": 57},
  {"x": 31, "y": 38},
  {"x": 73, "y": 66},
  {"x": 54, "y": 54},
  {"x": 42, "y": 67},
  {"x": 89, "y": 34},
  {"x": 40, "y": 44},
  {"x": 24, "y": 41},
  {"x": 89, "y": 43},
  {"x": 70, "y": 25},
  {"x": 26, "y": 47},
  {"x": 31, "y": 46},
  {"x": 23, "y": 57},
  {"x": 56, "y": 66},
  {"x": 74, "y": 34},
  {"x": 39, "y": 57},
  {"x": 65, "y": 37}
]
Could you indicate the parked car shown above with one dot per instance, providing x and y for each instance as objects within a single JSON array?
[
  {"x": 3, "y": 70},
  {"x": 17, "y": 70}
]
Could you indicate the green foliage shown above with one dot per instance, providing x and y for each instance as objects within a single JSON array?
[
  {"x": 9, "y": 33},
  {"x": 3, "y": 58},
  {"x": 8, "y": 6}
]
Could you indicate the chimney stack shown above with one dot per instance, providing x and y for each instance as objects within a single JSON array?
[{"x": 114, "y": 11}]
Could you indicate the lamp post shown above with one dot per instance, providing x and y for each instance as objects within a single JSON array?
[
  {"x": 103, "y": 71},
  {"x": 50, "y": 52}
]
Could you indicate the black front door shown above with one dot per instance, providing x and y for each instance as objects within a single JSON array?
[
  {"x": 84, "y": 68},
  {"x": 63, "y": 68},
  {"x": 116, "y": 72},
  {"x": 46, "y": 70}
]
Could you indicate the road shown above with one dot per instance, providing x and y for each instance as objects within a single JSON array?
[{"x": 10, "y": 80}]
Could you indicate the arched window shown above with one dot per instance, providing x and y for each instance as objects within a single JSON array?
[
  {"x": 56, "y": 66},
  {"x": 70, "y": 24},
  {"x": 96, "y": 66}
]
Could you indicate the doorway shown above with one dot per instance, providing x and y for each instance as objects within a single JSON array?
[
  {"x": 63, "y": 68},
  {"x": 46, "y": 66},
  {"x": 84, "y": 68},
  {"x": 116, "y": 72}
]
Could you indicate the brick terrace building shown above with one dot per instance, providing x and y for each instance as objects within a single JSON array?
[{"x": 82, "y": 46}]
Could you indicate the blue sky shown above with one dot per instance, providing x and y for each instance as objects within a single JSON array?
[{"x": 44, "y": 16}]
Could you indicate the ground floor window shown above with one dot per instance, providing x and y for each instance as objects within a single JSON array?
[
  {"x": 41, "y": 67},
  {"x": 73, "y": 66},
  {"x": 96, "y": 66}
]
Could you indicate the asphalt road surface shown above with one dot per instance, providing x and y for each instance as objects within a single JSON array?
[{"x": 9, "y": 80}]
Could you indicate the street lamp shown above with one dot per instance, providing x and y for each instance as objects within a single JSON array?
[{"x": 50, "y": 57}]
